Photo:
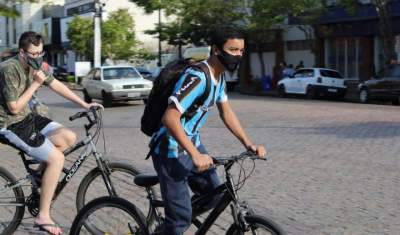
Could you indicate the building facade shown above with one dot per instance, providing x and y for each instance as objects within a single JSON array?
[{"x": 352, "y": 42}]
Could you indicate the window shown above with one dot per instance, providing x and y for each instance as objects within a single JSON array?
[
  {"x": 330, "y": 73},
  {"x": 89, "y": 7},
  {"x": 304, "y": 73},
  {"x": 391, "y": 71},
  {"x": 120, "y": 73}
]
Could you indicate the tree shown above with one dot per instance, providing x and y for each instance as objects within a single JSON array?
[
  {"x": 386, "y": 30},
  {"x": 80, "y": 34},
  {"x": 195, "y": 19},
  {"x": 7, "y": 8},
  {"x": 118, "y": 37}
]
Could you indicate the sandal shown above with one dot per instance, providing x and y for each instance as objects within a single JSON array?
[{"x": 42, "y": 227}]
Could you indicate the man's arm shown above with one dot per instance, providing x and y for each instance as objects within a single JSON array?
[
  {"x": 171, "y": 120},
  {"x": 16, "y": 106},
  {"x": 65, "y": 92},
  {"x": 19, "y": 103},
  {"x": 232, "y": 123}
]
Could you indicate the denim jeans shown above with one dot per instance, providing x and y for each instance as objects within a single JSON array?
[{"x": 176, "y": 175}]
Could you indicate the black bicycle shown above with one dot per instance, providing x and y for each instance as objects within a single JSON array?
[
  {"x": 245, "y": 219},
  {"x": 108, "y": 178}
]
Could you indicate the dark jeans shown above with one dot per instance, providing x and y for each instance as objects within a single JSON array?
[{"x": 175, "y": 175}]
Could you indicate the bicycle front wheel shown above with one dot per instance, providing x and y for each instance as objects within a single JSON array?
[
  {"x": 109, "y": 215},
  {"x": 122, "y": 175},
  {"x": 257, "y": 225},
  {"x": 12, "y": 204}
]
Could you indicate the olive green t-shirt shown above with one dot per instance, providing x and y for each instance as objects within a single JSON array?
[{"x": 14, "y": 80}]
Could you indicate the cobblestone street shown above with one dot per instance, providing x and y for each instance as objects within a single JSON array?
[{"x": 333, "y": 167}]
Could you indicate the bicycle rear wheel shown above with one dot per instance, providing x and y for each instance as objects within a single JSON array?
[
  {"x": 109, "y": 215},
  {"x": 122, "y": 175},
  {"x": 12, "y": 204},
  {"x": 257, "y": 225}
]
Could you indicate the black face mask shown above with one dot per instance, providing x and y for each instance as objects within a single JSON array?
[
  {"x": 230, "y": 62},
  {"x": 35, "y": 63}
]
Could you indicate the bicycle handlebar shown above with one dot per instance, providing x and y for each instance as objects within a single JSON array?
[
  {"x": 218, "y": 161},
  {"x": 77, "y": 115}
]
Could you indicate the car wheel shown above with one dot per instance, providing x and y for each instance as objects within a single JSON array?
[
  {"x": 310, "y": 94},
  {"x": 282, "y": 91},
  {"x": 86, "y": 96},
  {"x": 107, "y": 99},
  {"x": 364, "y": 96}
]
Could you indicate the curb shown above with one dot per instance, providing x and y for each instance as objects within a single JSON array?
[{"x": 351, "y": 96}]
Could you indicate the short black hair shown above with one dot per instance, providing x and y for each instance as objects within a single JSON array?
[
  {"x": 220, "y": 35},
  {"x": 28, "y": 38}
]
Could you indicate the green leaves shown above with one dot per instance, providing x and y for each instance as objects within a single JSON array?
[
  {"x": 195, "y": 19},
  {"x": 8, "y": 9},
  {"x": 117, "y": 33},
  {"x": 80, "y": 34},
  {"x": 118, "y": 36}
]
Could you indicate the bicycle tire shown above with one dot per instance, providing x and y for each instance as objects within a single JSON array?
[
  {"x": 84, "y": 214},
  {"x": 135, "y": 194},
  {"x": 257, "y": 222},
  {"x": 19, "y": 198}
]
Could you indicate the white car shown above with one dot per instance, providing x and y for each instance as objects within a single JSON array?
[
  {"x": 313, "y": 82},
  {"x": 115, "y": 83}
]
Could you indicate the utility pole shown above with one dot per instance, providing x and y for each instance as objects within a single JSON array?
[{"x": 97, "y": 33}]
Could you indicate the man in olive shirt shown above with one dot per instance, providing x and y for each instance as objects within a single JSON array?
[{"x": 39, "y": 137}]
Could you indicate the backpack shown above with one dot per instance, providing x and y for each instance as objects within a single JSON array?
[{"x": 163, "y": 87}]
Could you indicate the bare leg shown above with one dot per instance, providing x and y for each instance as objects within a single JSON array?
[
  {"x": 50, "y": 177},
  {"x": 62, "y": 138}
]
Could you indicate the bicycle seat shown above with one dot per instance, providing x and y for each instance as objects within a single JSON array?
[{"x": 146, "y": 180}]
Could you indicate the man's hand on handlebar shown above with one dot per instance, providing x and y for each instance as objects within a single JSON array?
[
  {"x": 259, "y": 150},
  {"x": 94, "y": 104}
]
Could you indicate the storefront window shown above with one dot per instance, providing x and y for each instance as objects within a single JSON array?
[{"x": 344, "y": 56}]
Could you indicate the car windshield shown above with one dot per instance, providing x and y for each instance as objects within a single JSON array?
[
  {"x": 120, "y": 73},
  {"x": 330, "y": 73},
  {"x": 391, "y": 71}
]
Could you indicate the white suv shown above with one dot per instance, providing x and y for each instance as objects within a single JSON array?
[{"x": 313, "y": 82}]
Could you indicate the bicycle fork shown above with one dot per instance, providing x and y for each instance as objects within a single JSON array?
[{"x": 105, "y": 171}]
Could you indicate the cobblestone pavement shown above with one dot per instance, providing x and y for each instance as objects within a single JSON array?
[{"x": 333, "y": 167}]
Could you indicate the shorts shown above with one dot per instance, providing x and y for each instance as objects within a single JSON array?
[{"x": 31, "y": 136}]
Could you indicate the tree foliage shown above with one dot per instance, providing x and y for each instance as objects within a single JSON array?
[
  {"x": 117, "y": 33},
  {"x": 118, "y": 36},
  {"x": 195, "y": 19},
  {"x": 80, "y": 34},
  {"x": 7, "y": 8}
]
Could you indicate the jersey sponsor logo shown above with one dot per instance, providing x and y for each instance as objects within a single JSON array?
[{"x": 188, "y": 85}]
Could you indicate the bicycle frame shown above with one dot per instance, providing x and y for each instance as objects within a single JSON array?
[
  {"x": 228, "y": 195},
  {"x": 69, "y": 173}
]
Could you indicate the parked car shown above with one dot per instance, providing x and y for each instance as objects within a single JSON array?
[
  {"x": 313, "y": 82},
  {"x": 115, "y": 83},
  {"x": 383, "y": 86},
  {"x": 60, "y": 73}
]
